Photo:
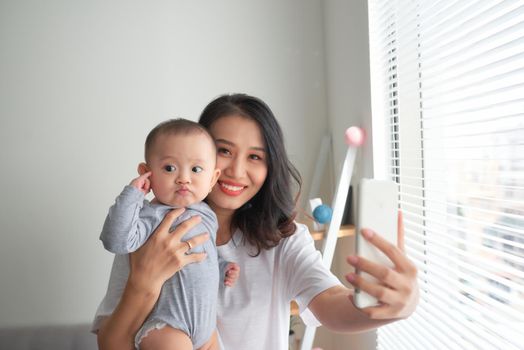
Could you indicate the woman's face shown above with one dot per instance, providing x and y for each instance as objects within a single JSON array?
[{"x": 242, "y": 159}]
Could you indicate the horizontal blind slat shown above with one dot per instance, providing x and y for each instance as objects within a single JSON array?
[
  {"x": 447, "y": 335},
  {"x": 465, "y": 328},
  {"x": 479, "y": 40},
  {"x": 478, "y": 249},
  {"x": 513, "y": 118},
  {"x": 449, "y": 204},
  {"x": 466, "y": 17},
  {"x": 516, "y": 232},
  {"x": 429, "y": 223},
  {"x": 429, "y": 339},
  {"x": 462, "y": 194},
  {"x": 442, "y": 182},
  {"x": 436, "y": 293},
  {"x": 403, "y": 338},
  {"x": 472, "y": 269}
]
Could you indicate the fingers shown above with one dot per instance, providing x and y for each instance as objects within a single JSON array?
[
  {"x": 233, "y": 270},
  {"x": 167, "y": 222},
  {"x": 382, "y": 293},
  {"x": 396, "y": 288},
  {"x": 400, "y": 231},
  {"x": 184, "y": 227},
  {"x": 193, "y": 258},
  {"x": 195, "y": 241},
  {"x": 142, "y": 178},
  {"x": 381, "y": 312},
  {"x": 180, "y": 250},
  {"x": 232, "y": 274},
  {"x": 230, "y": 281},
  {"x": 147, "y": 186},
  {"x": 145, "y": 176},
  {"x": 398, "y": 258},
  {"x": 142, "y": 181},
  {"x": 162, "y": 255},
  {"x": 382, "y": 273},
  {"x": 233, "y": 267},
  {"x": 392, "y": 304},
  {"x": 173, "y": 240}
]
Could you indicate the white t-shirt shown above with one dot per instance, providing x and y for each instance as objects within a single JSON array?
[{"x": 254, "y": 314}]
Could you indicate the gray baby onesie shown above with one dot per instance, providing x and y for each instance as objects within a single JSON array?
[{"x": 188, "y": 299}]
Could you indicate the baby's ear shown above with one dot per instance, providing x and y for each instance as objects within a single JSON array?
[
  {"x": 142, "y": 168},
  {"x": 216, "y": 175}
]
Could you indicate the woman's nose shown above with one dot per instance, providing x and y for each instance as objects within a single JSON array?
[{"x": 236, "y": 168}]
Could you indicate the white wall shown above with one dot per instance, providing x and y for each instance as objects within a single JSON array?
[{"x": 82, "y": 82}]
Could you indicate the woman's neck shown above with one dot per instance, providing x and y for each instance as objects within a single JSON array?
[{"x": 224, "y": 217}]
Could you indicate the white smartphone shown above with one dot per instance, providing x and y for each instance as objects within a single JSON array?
[{"x": 377, "y": 210}]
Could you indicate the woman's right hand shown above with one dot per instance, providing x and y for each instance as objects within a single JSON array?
[{"x": 164, "y": 254}]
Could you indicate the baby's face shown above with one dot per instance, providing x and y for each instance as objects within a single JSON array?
[{"x": 183, "y": 168}]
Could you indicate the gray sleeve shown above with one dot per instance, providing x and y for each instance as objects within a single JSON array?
[
  {"x": 210, "y": 222},
  {"x": 209, "y": 218},
  {"x": 124, "y": 229}
]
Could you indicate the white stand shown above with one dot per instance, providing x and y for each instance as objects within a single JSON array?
[
  {"x": 318, "y": 175},
  {"x": 354, "y": 138}
]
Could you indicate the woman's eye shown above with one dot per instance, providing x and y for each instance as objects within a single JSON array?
[
  {"x": 222, "y": 150},
  {"x": 169, "y": 168},
  {"x": 197, "y": 169},
  {"x": 255, "y": 157}
]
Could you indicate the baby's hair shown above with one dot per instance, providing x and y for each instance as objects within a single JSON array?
[{"x": 178, "y": 126}]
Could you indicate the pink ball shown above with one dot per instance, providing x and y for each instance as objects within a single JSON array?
[{"x": 354, "y": 136}]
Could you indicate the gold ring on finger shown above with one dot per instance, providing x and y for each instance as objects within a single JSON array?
[{"x": 189, "y": 247}]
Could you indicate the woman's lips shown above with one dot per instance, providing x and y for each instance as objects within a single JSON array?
[{"x": 230, "y": 188}]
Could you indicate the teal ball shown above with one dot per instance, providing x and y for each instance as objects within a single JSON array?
[{"x": 322, "y": 214}]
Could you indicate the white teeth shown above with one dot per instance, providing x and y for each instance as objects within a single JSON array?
[{"x": 231, "y": 188}]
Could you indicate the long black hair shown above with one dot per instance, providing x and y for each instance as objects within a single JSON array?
[{"x": 269, "y": 215}]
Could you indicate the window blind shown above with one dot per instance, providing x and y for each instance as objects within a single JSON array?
[{"x": 448, "y": 126}]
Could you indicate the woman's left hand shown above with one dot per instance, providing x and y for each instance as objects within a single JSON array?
[{"x": 397, "y": 288}]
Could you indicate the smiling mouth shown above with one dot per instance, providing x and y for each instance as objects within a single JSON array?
[{"x": 231, "y": 190}]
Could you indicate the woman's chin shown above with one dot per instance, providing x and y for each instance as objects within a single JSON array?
[{"x": 219, "y": 203}]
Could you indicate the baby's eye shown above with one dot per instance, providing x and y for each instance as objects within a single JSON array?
[
  {"x": 196, "y": 169},
  {"x": 169, "y": 168}
]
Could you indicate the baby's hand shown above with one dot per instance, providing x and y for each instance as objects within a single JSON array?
[
  {"x": 232, "y": 273},
  {"x": 142, "y": 183}
]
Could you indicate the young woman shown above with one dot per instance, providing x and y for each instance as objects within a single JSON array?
[{"x": 255, "y": 208}]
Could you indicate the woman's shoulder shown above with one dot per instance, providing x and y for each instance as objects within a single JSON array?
[
  {"x": 301, "y": 237},
  {"x": 301, "y": 230},
  {"x": 296, "y": 242}
]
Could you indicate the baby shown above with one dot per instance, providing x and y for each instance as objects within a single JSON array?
[{"x": 180, "y": 169}]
